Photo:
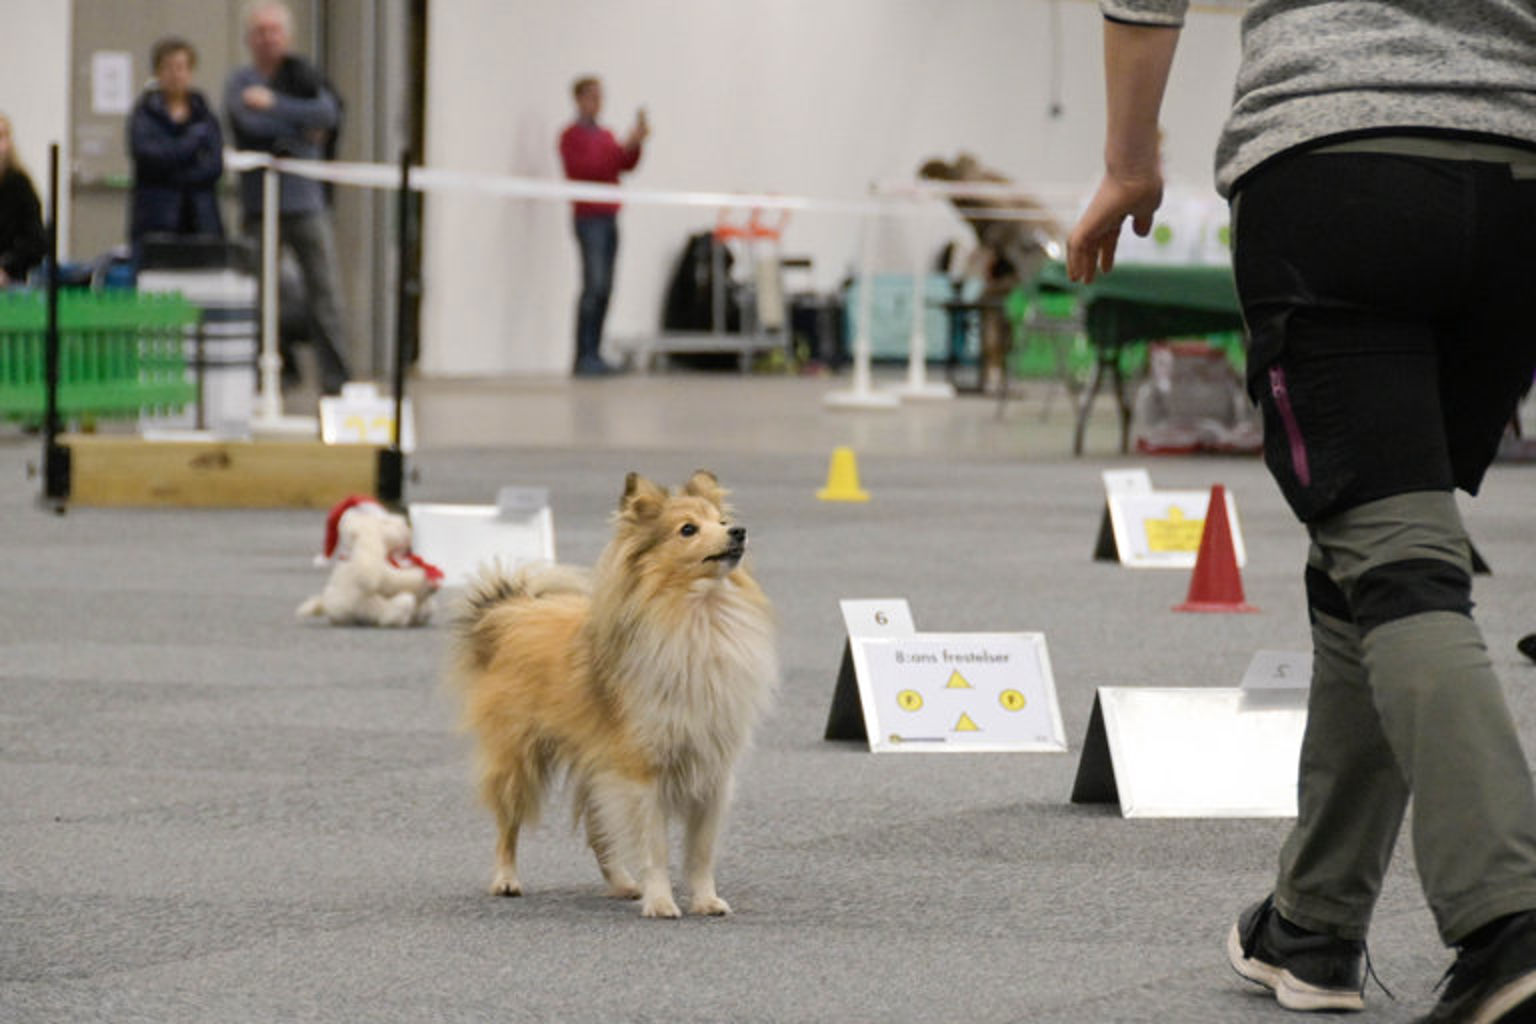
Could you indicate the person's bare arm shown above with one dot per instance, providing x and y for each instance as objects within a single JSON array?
[{"x": 1137, "y": 59}]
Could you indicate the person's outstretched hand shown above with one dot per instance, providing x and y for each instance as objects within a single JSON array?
[{"x": 1091, "y": 245}]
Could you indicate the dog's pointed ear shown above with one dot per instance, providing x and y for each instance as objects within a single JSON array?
[
  {"x": 704, "y": 484},
  {"x": 642, "y": 499}
]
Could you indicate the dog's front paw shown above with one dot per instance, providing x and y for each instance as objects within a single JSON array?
[
  {"x": 712, "y": 906},
  {"x": 623, "y": 891},
  {"x": 660, "y": 906},
  {"x": 506, "y": 884}
]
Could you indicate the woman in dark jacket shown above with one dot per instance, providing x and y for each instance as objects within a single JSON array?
[
  {"x": 22, "y": 242},
  {"x": 177, "y": 150}
]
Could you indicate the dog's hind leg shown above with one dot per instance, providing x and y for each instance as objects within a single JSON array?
[
  {"x": 621, "y": 884},
  {"x": 703, "y": 826},
  {"x": 505, "y": 881},
  {"x": 507, "y": 794}
]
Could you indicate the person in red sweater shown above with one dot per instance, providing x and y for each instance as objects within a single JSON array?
[{"x": 591, "y": 153}]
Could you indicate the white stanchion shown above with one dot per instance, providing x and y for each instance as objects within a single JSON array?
[
  {"x": 269, "y": 418},
  {"x": 917, "y": 385},
  {"x": 862, "y": 395},
  {"x": 271, "y": 362}
]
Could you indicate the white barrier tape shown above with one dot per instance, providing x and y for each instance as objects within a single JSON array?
[
  {"x": 906, "y": 199},
  {"x": 917, "y": 187},
  {"x": 888, "y": 199}
]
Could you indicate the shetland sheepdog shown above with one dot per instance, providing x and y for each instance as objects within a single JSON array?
[{"x": 639, "y": 682}]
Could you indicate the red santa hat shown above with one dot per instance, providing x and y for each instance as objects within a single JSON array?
[{"x": 356, "y": 502}]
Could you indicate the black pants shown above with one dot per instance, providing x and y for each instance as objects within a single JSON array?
[{"x": 1391, "y": 305}]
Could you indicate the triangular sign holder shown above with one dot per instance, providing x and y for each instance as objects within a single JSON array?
[
  {"x": 878, "y": 617},
  {"x": 899, "y": 690},
  {"x": 1105, "y": 549},
  {"x": 1117, "y": 481},
  {"x": 845, "y": 720},
  {"x": 460, "y": 539},
  {"x": 1192, "y": 752},
  {"x": 1095, "y": 783}
]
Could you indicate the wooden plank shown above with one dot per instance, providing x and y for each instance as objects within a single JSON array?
[{"x": 128, "y": 471}]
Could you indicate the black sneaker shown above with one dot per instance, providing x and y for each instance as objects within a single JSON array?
[
  {"x": 1494, "y": 976},
  {"x": 1527, "y": 646},
  {"x": 1306, "y": 970}
]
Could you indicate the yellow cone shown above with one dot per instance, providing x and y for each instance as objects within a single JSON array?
[{"x": 843, "y": 478}]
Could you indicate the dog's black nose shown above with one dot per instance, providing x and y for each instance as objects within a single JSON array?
[{"x": 738, "y": 534}]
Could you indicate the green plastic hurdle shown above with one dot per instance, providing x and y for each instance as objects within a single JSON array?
[{"x": 121, "y": 353}]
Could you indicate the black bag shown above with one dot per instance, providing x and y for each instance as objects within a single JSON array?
[{"x": 690, "y": 294}]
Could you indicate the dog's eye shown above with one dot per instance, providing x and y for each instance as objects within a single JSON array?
[{"x": 688, "y": 530}]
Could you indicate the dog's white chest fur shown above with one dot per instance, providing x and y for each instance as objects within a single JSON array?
[{"x": 694, "y": 696}]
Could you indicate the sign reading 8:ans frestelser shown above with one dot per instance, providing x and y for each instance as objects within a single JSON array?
[{"x": 960, "y": 691}]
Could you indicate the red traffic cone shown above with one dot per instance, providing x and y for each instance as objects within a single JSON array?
[{"x": 1216, "y": 585}]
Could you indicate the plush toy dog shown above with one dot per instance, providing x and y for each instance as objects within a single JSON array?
[{"x": 375, "y": 580}]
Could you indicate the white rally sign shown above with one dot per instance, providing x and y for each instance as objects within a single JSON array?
[
  {"x": 958, "y": 692},
  {"x": 1161, "y": 529},
  {"x": 361, "y": 415}
]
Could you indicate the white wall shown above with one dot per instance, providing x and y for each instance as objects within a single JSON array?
[
  {"x": 34, "y": 89},
  {"x": 807, "y": 97}
]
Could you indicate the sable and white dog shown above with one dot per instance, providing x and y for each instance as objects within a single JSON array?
[{"x": 641, "y": 683}]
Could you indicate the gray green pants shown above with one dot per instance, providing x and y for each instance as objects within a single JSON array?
[{"x": 1404, "y": 700}]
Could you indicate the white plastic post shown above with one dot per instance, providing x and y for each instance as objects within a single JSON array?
[
  {"x": 861, "y": 395},
  {"x": 269, "y": 416},
  {"x": 271, "y": 363},
  {"x": 917, "y": 385}
]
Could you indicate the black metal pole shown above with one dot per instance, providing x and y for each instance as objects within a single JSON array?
[
  {"x": 392, "y": 459},
  {"x": 55, "y": 458}
]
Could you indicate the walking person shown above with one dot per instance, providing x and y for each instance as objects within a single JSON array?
[
  {"x": 281, "y": 104},
  {"x": 589, "y": 152},
  {"x": 1380, "y": 159}
]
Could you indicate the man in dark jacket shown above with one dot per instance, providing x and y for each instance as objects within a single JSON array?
[{"x": 280, "y": 105}]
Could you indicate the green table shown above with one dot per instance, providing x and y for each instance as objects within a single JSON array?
[{"x": 1136, "y": 303}]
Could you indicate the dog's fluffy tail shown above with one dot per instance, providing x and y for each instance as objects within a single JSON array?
[{"x": 495, "y": 586}]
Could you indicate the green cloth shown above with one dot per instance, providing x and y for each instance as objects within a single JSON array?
[
  {"x": 1134, "y": 302},
  {"x": 1150, "y": 301}
]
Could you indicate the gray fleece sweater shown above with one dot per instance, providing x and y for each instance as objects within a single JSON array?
[{"x": 1315, "y": 70}]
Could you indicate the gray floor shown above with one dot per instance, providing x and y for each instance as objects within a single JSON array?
[{"x": 210, "y": 812}]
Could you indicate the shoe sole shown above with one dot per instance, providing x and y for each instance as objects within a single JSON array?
[
  {"x": 1290, "y": 991},
  {"x": 1500, "y": 1006}
]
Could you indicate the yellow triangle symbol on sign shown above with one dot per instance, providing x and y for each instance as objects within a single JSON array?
[
  {"x": 966, "y": 725},
  {"x": 957, "y": 682}
]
